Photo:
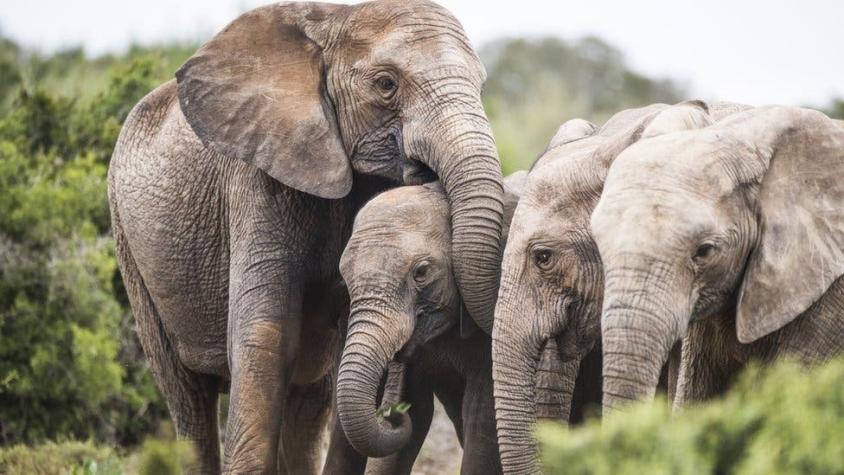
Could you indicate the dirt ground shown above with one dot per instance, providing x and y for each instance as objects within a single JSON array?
[{"x": 441, "y": 452}]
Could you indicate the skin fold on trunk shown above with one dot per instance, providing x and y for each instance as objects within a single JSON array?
[
  {"x": 463, "y": 155},
  {"x": 553, "y": 390},
  {"x": 638, "y": 334},
  {"x": 368, "y": 354},
  {"x": 530, "y": 382}
]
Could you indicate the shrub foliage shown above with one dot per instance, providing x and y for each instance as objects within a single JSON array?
[
  {"x": 69, "y": 363},
  {"x": 781, "y": 420}
]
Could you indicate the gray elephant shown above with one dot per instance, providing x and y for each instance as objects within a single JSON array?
[
  {"x": 552, "y": 278},
  {"x": 233, "y": 190},
  {"x": 407, "y": 315},
  {"x": 736, "y": 225}
]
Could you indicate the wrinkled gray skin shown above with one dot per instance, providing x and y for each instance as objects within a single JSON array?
[
  {"x": 405, "y": 315},
  {"x": 549, "y": 302},
  {"x": 733, "y": 231},
  {"x": 233, "y": 190},
  {"x": 550, "y": 295}
]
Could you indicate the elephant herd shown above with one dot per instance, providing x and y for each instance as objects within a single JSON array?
[{"x": 311, "y": 217}]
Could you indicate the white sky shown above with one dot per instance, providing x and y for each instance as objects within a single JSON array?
[{"x": 752, "y": 51}]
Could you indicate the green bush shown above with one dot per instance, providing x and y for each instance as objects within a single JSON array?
[
  {"x": 69, "y": 458},
  {"x": 781, "y": 420},
  {"x": 70, "y": 366},
  {"x": 159, "y": 455}
]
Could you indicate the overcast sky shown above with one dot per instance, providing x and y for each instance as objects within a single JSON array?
[{"x": 758, "y": 52}]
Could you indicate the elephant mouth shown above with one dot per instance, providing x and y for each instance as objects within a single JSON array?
[{"x": 415, "y": 172}]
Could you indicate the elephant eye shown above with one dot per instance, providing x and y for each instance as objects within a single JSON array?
[
  {"x": 386, "y": 85},
  {"x": 542, "y": 258},
  {"x": 704, "y": 251},
  {"x": 421, "y": 271}
]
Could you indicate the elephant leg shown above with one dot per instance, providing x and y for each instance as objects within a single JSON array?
[
  {"x": 586, "y": 398},
  {"x": 307, "y": 411},
  {"x": 421, "y": 412},
  {"x": 342, "y": 458},
  {"x": 192, "y": 401},
  {"x": 265, "y": 325},
  {"x": 480, "y": 444},
  {"x": 191, "y": 397}
]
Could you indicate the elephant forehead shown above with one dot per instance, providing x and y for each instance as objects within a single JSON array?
[
  {"x": 413, "y": 36},
  {"x": 696, "y": 163},
  {"x": 408, "y": 208},
  {"x": 567, "y": 188}
]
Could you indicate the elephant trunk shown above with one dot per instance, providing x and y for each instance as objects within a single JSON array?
[
  {"x": 530, "y": 382},
  {"x": 367, "y": 355},
  {"x": 462, "y": 152},
  {"x": 554, "y": 384},
  {"x": 638, "y": 330}
]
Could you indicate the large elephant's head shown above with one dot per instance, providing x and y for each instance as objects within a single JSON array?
[
  {"x": 549, "y": 302},
  {"x": 743, "y": 216},
  {"x": 314, "y": 94},
  {"x": 397, "y": 267}
]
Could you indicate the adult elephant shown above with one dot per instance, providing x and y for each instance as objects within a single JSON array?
[
  {"x": 738, "y": 226},
  {"x": 552, "y": 279},
  {"x": 233, "y": 190}
]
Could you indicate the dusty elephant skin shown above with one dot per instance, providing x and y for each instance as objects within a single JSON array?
[
  {"x": 552, "y": 278},
  {"x": 233, "y": 190},
  {"x": 405, "y": 321},
  {"x": 733, "y": 231}
]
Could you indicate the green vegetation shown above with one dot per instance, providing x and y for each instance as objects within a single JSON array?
[
  {"x": 161, "y": 455},
  {"x": 781, "y": 420},
  {"x": 70, "y": 366}
]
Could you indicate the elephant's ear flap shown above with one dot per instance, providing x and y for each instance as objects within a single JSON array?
[
  {"x": 687, "y": 115},
  {"x": 650, "y": 121},
  {"x": 571, "y": 130},
  {"x": 255, "y": 92},
  {"x": 799, "y": 251}
]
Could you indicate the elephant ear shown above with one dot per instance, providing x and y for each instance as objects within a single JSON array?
[
  {"x": 650, "y": 121},
  {"x": 800, "y": 248},
  {"x": 255, "y": 92},
  {"x": 683, "y": 116},
  {"x": 571, "y": 130}
]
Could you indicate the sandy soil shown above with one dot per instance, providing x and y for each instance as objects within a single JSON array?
[{"x": 441, "y": 453}]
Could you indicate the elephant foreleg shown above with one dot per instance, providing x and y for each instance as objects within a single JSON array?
[
  {"x": 480, "y": 445},
  {"x": 308, "y": 408},
  {"x": 265, "y": 322}
]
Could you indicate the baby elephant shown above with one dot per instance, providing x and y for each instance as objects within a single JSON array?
[{"x": 407, "y": 320}]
